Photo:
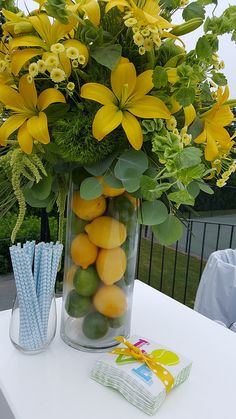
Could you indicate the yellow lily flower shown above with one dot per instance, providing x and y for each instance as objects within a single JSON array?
[
  {"x": 89, "y": 9},
  {"x": 189, "y": 111},
  {"x": 48, "y": 35},
  {"x": 146, "y": 15},
  {"x": 28, "y": 116},
  {"x": 215, "y": 136},
  {"x": 127, "y": 100}
]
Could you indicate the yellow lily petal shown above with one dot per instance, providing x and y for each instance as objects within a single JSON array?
[
  {"x": 26, "y": 41},
  {"x": 114, "y": 3},
  {"x": 190, "y": 114},
  {"x": 11, "y": 98},
  {"x": 106, "y": 120},
  {"x": 92, "y": 11},
  {"x": 133, "y": 130},
  {"x": 151, "y": 7},
  {"x": 9, "y": 126},
  {"x": 13, "y": 17},
  {"x": 175, "y": 106},
  {"x": 218, "y": 133},
  {"x": 144, "y": 83},
  {"x": 123, "y": 80},
  {"x": 149, "y": 107},
  {"x": 25, "y": 140},
  {"x": 223, "y": 97},
  {"x": 99, "y": 93},
  {"x": 172, "y": 75},
  {"x": 6, "y": 78},
  {"x": 211, "y": 149},
  {"x": 37, "y": 127},
  {"x": 19, "y": 58},
  {"x": 223, "y": 116},
  {"x": 59, "y": 30},
  {"x": 201, "y": 137},
  {"x": 49, "y": 96},
  {"x": 28, "y": 92},
  {"x": 42, "y": 25}
]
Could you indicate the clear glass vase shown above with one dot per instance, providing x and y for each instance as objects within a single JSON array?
[
  {"x": 99, "y": 272},
  {"x": 25, "y": 332}
]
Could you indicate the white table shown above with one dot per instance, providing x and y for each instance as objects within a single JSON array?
[{"x": 56, "y": 384}]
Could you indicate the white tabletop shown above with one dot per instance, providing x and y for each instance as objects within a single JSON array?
[{"x": 56, "y": 384}]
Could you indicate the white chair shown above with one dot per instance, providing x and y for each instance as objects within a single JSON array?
[{"x": 216, "y": 295}]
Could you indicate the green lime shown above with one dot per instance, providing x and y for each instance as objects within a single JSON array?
[
  {"x": 86, "y": 281},
  {"x": 121, "y": 209},
  {"x": 95, "y": 325},
  {"x": 77, "y": 225},
  {"x": 117, "y": 322},
  {"x": 77, "y": 305}
]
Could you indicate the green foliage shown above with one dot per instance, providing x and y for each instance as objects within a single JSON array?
[
  {"x": 90, "y": 188},
  {"x": 185, "y": 96},
  {"x": 203, "y": 48},
  {"x": 169, "y": 231},
  {"x": 107, "y": 56},
  {"x": 74, "y": 141},
  {"x": 152, "y": 213},
  {"x": 56, "y": 9},
  {"x": 226, "y": 23},
  {"x": 160, "y": 78},
  {"x": 193, "y": 10}
]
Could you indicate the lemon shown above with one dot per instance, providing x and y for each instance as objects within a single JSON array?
[
  {"x": 83, "y": 252},
  {"x": 108, "y": 190},
  {"x": 110, "y": 301},
  {"x": 95, "y": 326},
  {"x": 88, "y": 210},
  {"x": 106, "y": 232},
  {"x": 86, "y": 281},
  {"x": 111, "y": 265},
  {"x": 77, "y": 305}
]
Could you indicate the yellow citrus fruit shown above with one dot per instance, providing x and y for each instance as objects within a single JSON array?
[
  {"x": 107, "y": 190},
  {"x": 111, "y": 265},
  {"x": 110, "y": 301},
  {"x": 88, "y": 210},
  {"x": 83, "y": 252},
  {"x": 106, "y": 232}
]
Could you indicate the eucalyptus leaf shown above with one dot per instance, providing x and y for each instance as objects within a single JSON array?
[
  {"x": 35, "y": 202},
  {"x": 152, "y": 213},
  {"x": 132, "y": 159},
  {"x": 101, "y": 167},
  {"x": 90, "y": 188},
  {"x": 169, "y": 231},
  {"x": 131, "y": 179},
  {"x": 42, "y": 189},
  {"x": 152, "y": 190},
  {"x": 112, "y": 181},
  {"x": 195, "y": 128},
  {"x": 107, "y": 56}
]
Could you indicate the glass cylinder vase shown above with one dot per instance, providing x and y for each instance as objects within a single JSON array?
[
  {"x": 26, "y": 332},
  {"x": 99, "y": 272}
]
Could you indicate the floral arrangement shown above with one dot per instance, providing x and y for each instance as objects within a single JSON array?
[{"x": 108, "y": 87}]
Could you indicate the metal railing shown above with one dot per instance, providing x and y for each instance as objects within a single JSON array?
[{"x": 177, "y": 270}]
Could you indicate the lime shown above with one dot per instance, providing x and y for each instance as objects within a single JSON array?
[
  {"x": 121, "y": 209},
  {"x": 77, "y": 305},
  {"x": 117, "y": 322},
  {"x": 86, "y": 281},
  {"x": 77, "y": 225},
  {"x": 95, "y": 325}
]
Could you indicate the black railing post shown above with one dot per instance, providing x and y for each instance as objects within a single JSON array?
[{"x": 44, "y": 228}]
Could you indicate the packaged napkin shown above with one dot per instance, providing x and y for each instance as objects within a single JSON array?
[{"x": 143, "y": 371}]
